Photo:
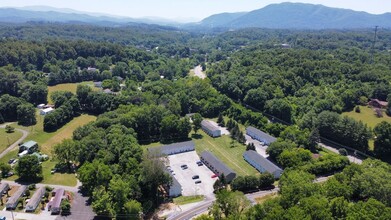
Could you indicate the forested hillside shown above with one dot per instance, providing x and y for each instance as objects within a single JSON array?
[{"x": 292, "y": 84}]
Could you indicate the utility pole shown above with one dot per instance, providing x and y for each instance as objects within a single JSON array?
[{"x": 373, "y": 44}]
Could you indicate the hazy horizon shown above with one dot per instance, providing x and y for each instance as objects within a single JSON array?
[{"x": 189, "y": 10}]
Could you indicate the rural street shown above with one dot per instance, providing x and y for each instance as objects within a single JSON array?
[
  {"x": 351, "y": 158},
  {"x": 14, "y": 145},
  {"x": 198, "y": 72},
  {"x": 204, "y": 206}
]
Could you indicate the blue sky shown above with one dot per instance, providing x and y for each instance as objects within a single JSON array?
[{"x": 197, "y": 9}]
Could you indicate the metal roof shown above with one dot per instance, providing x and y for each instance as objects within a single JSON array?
[
  {"x": 58, "y": 198},
  {"x": 4, "y": 186},
  {"x": 210, "y": 126},
  {"x": 263, "y": 162},
  {"x": 262, "y": 134},
  {"x": 166, "y": 149},
  {"x": 29, "y": 144},
  {"x": 35, "y": 199},
  {"x": 216, "y": 163},
  {"x": 13, "y": 200}
]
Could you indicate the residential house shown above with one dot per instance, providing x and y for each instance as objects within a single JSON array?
[
  {"x": 4, "y": 187},
  {"x": 29, "y": 146},
  {"x": 46, "y": 111},
  {"x": 35, "y": 200},
  {"x": 13, "y": 201},
  {"x": 376, "y": 103},
  {"x": 55, "y": 204}
]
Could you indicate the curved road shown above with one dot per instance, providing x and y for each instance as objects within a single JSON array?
[
  {"x": 204, "y": 206},
  {"x": 14, "y": 145}
]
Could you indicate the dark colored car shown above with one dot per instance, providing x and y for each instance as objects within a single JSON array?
[
  {"x": 195, "y": 177},
  {"x": 198, "y": 181},
  {"x": 184, "y": 167}
]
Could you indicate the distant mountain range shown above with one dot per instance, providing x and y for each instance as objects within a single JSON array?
[
  {"x": 284, "y": 16},
  {"x": 298, "y": 16}
]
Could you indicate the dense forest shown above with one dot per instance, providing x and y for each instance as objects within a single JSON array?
[{"x": 296, "y": 94}]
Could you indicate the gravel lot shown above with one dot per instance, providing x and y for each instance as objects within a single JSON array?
[{"x": 184, "y": 177}]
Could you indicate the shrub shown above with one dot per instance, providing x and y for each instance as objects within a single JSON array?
[
  {"x": 343, "y": 151},
  {"x": 357, "y": 109}
]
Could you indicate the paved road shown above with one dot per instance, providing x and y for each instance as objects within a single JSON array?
[
  {"x": 198, "y": 72},
  {"x": 351, "y": 158},
  {"x": 14, "y": 145},
  {"x": 204, "y": 206}
]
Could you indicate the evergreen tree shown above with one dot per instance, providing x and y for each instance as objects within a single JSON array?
[{"x": 220, "y": 120}]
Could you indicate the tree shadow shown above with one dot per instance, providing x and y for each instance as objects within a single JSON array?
[{"x": 197, "y": 136}]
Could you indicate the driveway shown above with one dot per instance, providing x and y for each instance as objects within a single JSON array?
[
  {"x": 14, "y": 145},
  {"x": 259, "y": 147}
]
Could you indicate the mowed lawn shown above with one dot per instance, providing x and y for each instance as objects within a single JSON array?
[
  {"x": 367, "y": 116},
  {"x": 221, "y": 148},
  {"x": 46, "y": 142},
  {"x": 7, "y": 139},
  {"x": 71, "y": 87}
]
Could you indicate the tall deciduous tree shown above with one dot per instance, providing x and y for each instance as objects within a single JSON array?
[
  {"x": 383, "y": 140},
  {"x": 66, "y": 152},
  {"x": 197, "y": 119},
  {"x": 29, "y": 168}
]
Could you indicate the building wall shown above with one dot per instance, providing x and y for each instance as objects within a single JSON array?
[
  {"x": 212, "y": 133},
  {"x": 257, "y": 166},
  {"x": 256, "y": 137}
]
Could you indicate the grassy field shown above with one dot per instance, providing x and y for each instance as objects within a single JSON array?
[
  {"x": 183, "y": 200},
  {"x": 221, "y": 148},
  {"x": 46, "y": 141},
  {"x": 262, "y": 199},
  {"x": 6, "y": 139},
  {"x": 367, "y": 116},
  {"x": 71, "y": 87}
]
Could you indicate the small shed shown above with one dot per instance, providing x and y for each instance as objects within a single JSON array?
[
  {"x": 35, "y": 200},
  {"x": 55, "y": 205},
  {"x": 13, "y": 201},
  {"x": 46, "y": 111},
  {"x": 29, "y": 146}
]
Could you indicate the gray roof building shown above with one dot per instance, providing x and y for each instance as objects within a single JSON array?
[
  {"x": 175, "y": 148},
  {"x": 56, "y": 203},
  {"x": 13, "y": 201},
  {"x": 4, "y": 187},
  {"x": 217, "y": 166},
  {"x": 210, "y": 128},
  {"x": 260, "y": 135},
  {"x": 262, "y": 164},
  {"x": 35, "y": 200}
]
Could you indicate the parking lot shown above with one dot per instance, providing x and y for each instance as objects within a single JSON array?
[
  {"x": 184, "y": 176},
  {"x": 259, "y": 146}
]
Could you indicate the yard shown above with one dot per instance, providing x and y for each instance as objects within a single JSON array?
[
  {"x": 367, "y": 116},
  {"x": 71, "y": 87},
  {"x": 46, "y": 142},
  {"x": 7, "y": 139},
  {"x": 222, "y": 149}
]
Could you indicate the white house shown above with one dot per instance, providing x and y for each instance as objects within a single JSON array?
[
  {"x": 262, "y": 164},
  {"x": 41, "y": 106},
  {"x": 46, "y": 111},
  {"x": 210, "y": 128}
]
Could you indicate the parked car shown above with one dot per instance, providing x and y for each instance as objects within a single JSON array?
[
  {"x": 198, "y": 181},
  {"x": 195, "y": 177},
  {"x": 199, "y": 163},
  {"x": 214, "y": 176},
  {"x": 3, "y": 218},
  {"x": 11, "y": 160},
  {"x": 184, "y": 167}
]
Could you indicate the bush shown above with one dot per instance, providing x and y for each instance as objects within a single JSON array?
[
  {"x": 357, "y": 109},
  {"x": 9, "y": 129},
  {"x": 32, "y": 187},
  {"x": 65, "y": 207}
]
